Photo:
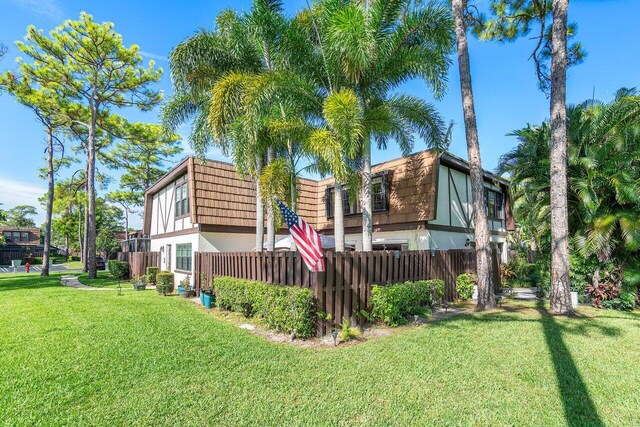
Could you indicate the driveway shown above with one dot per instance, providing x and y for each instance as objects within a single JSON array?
[{"x": 33, "y": 269}]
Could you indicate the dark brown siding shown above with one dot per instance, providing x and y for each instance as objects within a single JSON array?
[
  {"x": 412, "y": 193},
  {"x": 34, "y": 236}
]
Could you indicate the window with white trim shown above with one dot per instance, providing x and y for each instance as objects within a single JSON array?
[
  {"x": 183, "y": 257},
  {"x": 182, "y": 198}
]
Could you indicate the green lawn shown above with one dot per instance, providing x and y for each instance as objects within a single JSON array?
[
  {"x": 104, "y": 280},
  {"x": 72, "y": 357}
]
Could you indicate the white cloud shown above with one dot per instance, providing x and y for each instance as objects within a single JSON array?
[
  {"x": 49, "y": 9},
  {"x": 14, "y": 193},
  {"x": 154, "y": 56}
]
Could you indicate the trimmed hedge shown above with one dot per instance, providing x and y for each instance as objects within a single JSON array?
[
  {"x": 283, "y": 308},
  {"x": 464, "y": 285},
  {"x": 391, "y": 304},
  {"x": 164, "y": 284},
  {"x": 119, "y": 269},
  {"x": 152, "y": 273}
]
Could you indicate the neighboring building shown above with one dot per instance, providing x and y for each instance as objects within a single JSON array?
[
  {"x": 135, "y": 241},
  {"x": 422, "y": 201},
  {"x": 21, "y": 238},
  {"x": 21, "y": 243}
]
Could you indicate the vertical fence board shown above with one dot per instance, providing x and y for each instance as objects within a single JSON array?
[{"x": 344, "y": 288}]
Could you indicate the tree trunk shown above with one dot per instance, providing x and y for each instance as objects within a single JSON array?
[
  {"x": 293, "y": 194},
  {"x": 486, "y": 296},
  {"x": 338, "y": 218},
  {"x": 271, "y": 219},
  {"x": 259, "y": 208},
  {"x": 365, "y": 198},
  {"x": 560, "y": 295},
  {"x": 80, "y": 235},
  {"x": 126, "y": 226},
  {"x": 47, "y": 225},
  {"x": 84, "y": 238},
  {"x": 91, "y": 190}
]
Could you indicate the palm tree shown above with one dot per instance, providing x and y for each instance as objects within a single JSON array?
[
  {"x": 603, "y": 178},
  {"x": 196, "y": 65},
  {"x": 378, "y": 45}
]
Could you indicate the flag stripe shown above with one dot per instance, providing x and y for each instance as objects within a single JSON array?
[{"x": 306, "y": 239}]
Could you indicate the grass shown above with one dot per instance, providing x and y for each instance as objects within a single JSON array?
[
  {"x": 104, "y": 280},
  {"x": 72, "y": 357},
  {"x": 73, "y": 265}
]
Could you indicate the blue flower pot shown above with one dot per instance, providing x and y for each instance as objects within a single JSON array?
[
  {"x": 207, "y": 300},
  {"x": 180, "y": 288}
]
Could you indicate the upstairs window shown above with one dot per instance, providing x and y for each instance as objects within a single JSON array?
[
  {"x": 183, "y": 257},
  {"x": 379, "y": 196},
  {"x": 182, "y": 198},
  {"x": 493, "y": 203},
  {"x": 7, "y": 235},
  {"x": 24, "y": 236}
]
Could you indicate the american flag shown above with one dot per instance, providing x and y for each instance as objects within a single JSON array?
[{"x": 306, "y": 238}]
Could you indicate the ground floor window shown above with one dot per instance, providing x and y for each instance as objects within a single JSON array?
[{"x": 183, "y": 257}]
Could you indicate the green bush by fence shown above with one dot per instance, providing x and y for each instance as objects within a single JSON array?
[
  {"x": 392, "y": 303},
  {"x": 464, "y": 285},
  {"x": 164, "y": 282},
  {"x": 152, "y": 273},
  {"x": 283, "y": 308},
  {"x": 119, "y": 269}
]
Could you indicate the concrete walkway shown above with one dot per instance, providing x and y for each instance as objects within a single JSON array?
[
  {"x": 527, "y": 294},
  {"x": 72, "y": 282}
]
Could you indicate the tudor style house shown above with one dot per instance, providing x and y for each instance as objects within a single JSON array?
[
  {"x": 19, "y": 240},
  {"x": 422, "y": 201}
]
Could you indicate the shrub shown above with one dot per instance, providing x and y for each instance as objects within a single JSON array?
[
  {"x": 602, "y": 292},
  {"x": 119, "y": 269},
  {"x": 152, "y": 272},
  {"x": 436, "y": 287},
  {"x": 464, "y": 285},
  {"x": 625, "y": 301},
  {"x": 347, "y": 331},
  {"x": 35, "y": 260},
  {"x": 283, "y": 308},
  {"x": 164, "y": 282},
  {"x": 73, "y": 258},
  {"x": 518, "y": 270},
  {"x": 392, "y": 303}
]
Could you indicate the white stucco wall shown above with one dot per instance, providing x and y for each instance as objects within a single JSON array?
[
  {"x": 200, "y": 242},
  {"x": 163, "y": 211},
  {"x": 226, "y": 242},
  {"x": 454, "y": 212},
  {"x": 425, "y": 240},
  {"x": 161, "y": 245}
]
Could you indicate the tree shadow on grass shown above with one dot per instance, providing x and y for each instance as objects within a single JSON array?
[{"x": 579, "y": 408}]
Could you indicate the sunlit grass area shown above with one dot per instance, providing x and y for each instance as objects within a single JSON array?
[{"x": 72, "y": 357}]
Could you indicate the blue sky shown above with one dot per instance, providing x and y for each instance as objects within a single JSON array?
[{"x": 505, "y": 87}]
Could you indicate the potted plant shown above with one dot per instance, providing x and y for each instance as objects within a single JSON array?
[
  {"x": 139, "y": 283},
  {"x": 152, "y": 273},
  {"x": 185, "y": 290},
  {"x": 207, "y": 295}
]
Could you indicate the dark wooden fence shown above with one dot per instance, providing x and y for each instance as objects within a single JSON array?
[
  {"x": 343, "y": 289},
  {"x": 139, "y": 261},
  {"x": 7, "y": 256}
]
